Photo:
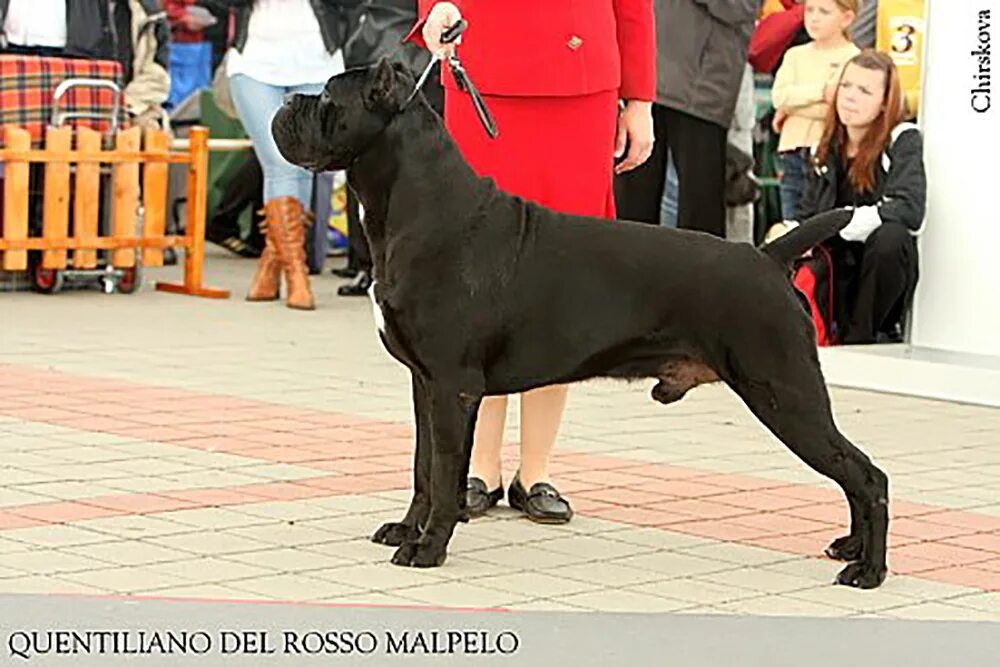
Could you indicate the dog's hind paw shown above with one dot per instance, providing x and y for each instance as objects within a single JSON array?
[
  {"x": 847, "y": 548},
  {"x": 861, "y": 575},
  {"x": 414, "y": 554},
  {"x": 395, "y": 534}
]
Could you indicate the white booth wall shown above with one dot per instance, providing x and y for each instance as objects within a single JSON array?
[{"x": 957, "y": 303}]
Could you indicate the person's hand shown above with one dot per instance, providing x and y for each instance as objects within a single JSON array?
[
  {"x": 442, "y": 16},
  {"x": 635, "y": 127},
  {"x": 197, "y": 19},
  {"x": 780, "y": 117}
]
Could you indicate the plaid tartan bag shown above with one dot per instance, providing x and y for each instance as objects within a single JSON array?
[{"x": 28, "y": 83}]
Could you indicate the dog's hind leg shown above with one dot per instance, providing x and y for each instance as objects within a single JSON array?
[
  {"x": 850, "y": 547},
  {"x": 408, "y": 530},
  {"x": 453, "y": 404},
  {"x": 793, "y": 403}
]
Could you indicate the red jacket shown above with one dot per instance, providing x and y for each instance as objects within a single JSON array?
[
  {"x": 556, "y": 47},
  {"x": 773, "y": 36}
]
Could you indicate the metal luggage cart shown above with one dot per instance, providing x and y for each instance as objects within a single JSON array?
[{"x": 109, "y": 278}]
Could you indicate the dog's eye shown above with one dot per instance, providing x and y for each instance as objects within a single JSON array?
[{"x": 324, "y": 97}]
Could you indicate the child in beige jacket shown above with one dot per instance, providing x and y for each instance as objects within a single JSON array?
[{"x": 804, "y": 87}]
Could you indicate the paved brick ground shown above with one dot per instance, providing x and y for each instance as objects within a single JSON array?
[{"x": 161, "y": 446}]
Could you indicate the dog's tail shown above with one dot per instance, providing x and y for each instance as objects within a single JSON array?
[{"x": 785, "y": 249}]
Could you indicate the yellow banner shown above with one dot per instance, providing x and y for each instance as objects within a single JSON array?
[{"x": 901, "y": 30}]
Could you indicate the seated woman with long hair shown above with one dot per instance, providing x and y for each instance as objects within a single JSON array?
[{"x": 871, "y": 163}]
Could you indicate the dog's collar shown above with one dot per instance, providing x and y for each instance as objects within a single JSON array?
[{"x": 461, "y": 78}]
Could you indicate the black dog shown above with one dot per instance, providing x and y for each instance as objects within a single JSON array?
[
  {"x": 482, "y": 293},
  {"x": 742, "y": 186}
]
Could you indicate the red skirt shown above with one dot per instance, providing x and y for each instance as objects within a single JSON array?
[{"x": 556, "y": 151}]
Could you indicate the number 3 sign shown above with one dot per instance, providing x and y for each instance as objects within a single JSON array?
[{"x": 901, "y": 28}]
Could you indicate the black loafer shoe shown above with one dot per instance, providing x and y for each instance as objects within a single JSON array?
[
  {"x": 541, "y": 504},
  {"x": 346, "y": 272},
  {"x": 479, "y": 499},
  {"x": 357, "y": 288}
]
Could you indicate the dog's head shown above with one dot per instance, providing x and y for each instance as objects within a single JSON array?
[
  {"x": 329, "y": 131},
  {"x": 741, "y": 185}
]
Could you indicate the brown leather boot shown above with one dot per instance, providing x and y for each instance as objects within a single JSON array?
[
  {"x": 266, "y": 283},
  {"x": 288, "y": 219}
]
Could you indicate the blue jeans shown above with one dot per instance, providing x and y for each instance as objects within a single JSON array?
[
  {"x": 257, "y": 103},
  {"x": 793, "y": 180},
  {"x": 668, "y": 203}
]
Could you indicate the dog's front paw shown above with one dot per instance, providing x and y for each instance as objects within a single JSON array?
[
  {"x": 417, "y": 554},
  {"x": 862, "y": 575},
  {"x": 395, "y": 534},
  {"x": 847, "y": 548}
]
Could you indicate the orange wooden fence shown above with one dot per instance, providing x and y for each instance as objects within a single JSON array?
[{"x": 124, "y": 239}]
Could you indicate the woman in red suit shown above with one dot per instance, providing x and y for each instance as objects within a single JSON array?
[{"x": 553, "y": 74}]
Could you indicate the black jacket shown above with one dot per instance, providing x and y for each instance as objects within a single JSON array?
[
  {"x": 89, "y": 33},
  {"x": 366, "y": 30},
  {"x": 332, "y": 15},
  {"x": 376, "y": 29},
  {"x": 900, "y": 182}
]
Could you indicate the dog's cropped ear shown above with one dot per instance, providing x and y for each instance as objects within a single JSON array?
[{"x": 380, "y": 90}]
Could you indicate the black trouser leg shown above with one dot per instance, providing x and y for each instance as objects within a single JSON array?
[
  {"x": 245, "y": 187},
  {"x": 698, "y": 148},
  {"x": 359, "y": 255},
  {"x": 885, "y": 283},
  {"x": 638, "y": 192}
]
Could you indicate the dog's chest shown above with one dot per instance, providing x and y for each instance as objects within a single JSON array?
[
  {"x": 379, "y": 316},
  {"x": 387, "y": 333}
]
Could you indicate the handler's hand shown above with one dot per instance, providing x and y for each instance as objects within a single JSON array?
[
  {"x": 635, "y": 126},
  {"x": 442, "y": 16}
]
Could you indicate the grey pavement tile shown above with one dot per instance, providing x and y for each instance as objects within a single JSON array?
[
  {"x": 49, "y": 585},
  {"x": 624, "y": 601},
  {"x": 48, "y": 562},
  {"x": 459, "y": 594},
  {"x": 538, "y": 584},
  {"x": 293, "y": 587},
  {"x": 608, "y": 574},
  {"x": 55, "y": 536},
  {"x": 675, "y": 565},
  {"x": 695, "y": 591}
]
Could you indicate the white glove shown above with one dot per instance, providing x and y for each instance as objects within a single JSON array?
[
  {"x": 864, "y": 221},
  {"x": 779, "y": 229}
]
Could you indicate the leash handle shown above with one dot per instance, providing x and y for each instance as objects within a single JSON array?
[
  {"x": 454, "y": 32},
  {"x": 461, "y": 78},
  {"x": 466, "y": 86}
]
